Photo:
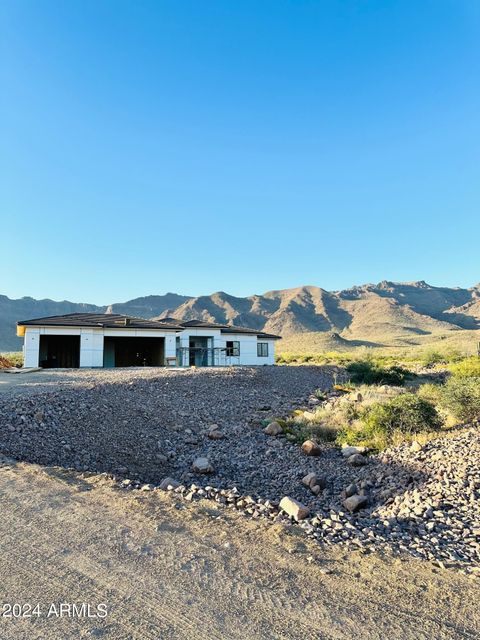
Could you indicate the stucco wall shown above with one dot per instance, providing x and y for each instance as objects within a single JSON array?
[{"x": 91, "y": 343}]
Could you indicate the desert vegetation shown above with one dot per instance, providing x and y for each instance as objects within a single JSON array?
[
  {"x": 8, "y": 360},
  {"x": 382, "y": 402}
]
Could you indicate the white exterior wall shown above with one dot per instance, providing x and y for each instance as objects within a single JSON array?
[
  {"x": 248, "y": 345},
  {"x": 91, "y": 343},
  {"x": 31, "y": 347},
  {"x": 248, "y": 349}
]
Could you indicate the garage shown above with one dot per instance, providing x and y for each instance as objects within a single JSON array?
[
  {"x": 59, "y": 351},
  {"x": 133, "y": 352}
]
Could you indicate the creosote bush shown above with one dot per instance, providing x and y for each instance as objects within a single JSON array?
[
  {"x": 387, "y": 423},
  {"x": 461, "y": 396},
  {"x": 467, "y": 368},
  {"x": 370, "y": 371}
]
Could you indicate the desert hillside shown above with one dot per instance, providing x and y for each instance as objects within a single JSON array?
[{"x": 309, "y": 318}]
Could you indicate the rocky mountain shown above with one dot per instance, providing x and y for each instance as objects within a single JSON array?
[{"x": 308, "y": 318}]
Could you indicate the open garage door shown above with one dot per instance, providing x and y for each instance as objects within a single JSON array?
[
  {"x": 59, "y": 351},
  {"x": 133, "y": 352}
]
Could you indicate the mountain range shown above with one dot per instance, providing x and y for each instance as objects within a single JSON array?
[{"x": 309, "y": 318}]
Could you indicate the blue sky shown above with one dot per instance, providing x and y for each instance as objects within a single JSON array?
[{"x": 157, "y": 146}]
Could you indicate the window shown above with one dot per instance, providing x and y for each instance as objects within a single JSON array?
[
  {"x": 262, "y": 349},
  {"x": 233, "y": 348}
]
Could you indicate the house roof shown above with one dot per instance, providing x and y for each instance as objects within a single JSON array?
[
  {"x": 109, "y": 320},
  {"x": 224, "y": 328},
  {"x": 119, "y": 321}
]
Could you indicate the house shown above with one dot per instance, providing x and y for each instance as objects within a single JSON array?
[{"x": 111, "y": 340}]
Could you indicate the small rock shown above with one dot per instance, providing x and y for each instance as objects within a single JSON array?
[
  {"x": 350, "y": 451},
  {"x": 351, "y": 490},
  {"x": 169, "y": 482},
  {"x": 357, "y": 460},
  {"x": 215, "y": 435},
  {"x": 311, "y": 448},
  {"x": 416, "y": 446},
  {"x": 202, "y": 465},
  {"x": 355, "y": 502},
  {"x": 294, "y": 508},
  {"x": 273, "y": 429},
  {"x": 310, "y": 480}
]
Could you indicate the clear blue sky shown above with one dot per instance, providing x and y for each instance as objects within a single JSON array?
[{"x": 155, "y": 146}]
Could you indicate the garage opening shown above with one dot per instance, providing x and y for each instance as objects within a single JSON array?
[
  {"x": 133, "y": 352},
  {"x": 59, "y": 351}
]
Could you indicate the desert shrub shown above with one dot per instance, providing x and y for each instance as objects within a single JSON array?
[
  {"x": 461, "y": 396},
  {"x": 8, "y": 360},
  {"x": 432, "y": 356},
  {"x": 467, "y": 368},
  {"x": 370, "y": 371},
  {"x": 431, "y": 392},
  {"x": 388, "y": 423}
]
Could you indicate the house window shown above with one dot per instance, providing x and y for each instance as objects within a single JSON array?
[
  {"x": 233, "y": 348},
  {"x": 262, "y": 349}
]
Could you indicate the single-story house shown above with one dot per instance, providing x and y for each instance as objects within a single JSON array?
[{"x": 112, "y": 340}]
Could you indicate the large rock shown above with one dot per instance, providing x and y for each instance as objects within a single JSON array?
[
  {"x": 311, "y": 448},
  {"x": 355, "y": 502},
  {"x": 273, "y": 429},
  {"x": 294, "y": 508},
  {"x": 202, "y": 465},
  {"x": 350, "y": 451}
]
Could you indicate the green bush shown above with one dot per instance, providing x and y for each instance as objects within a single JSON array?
[
  {"x": 467, "y": 368},
  {"x": 371, "y": 372},
  {"x": 461, "y": 396},
  {"x": 383, "y": 424}
]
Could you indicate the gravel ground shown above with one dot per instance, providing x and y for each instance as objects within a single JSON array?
[
  {"x": 152, "y": 423},
  {"x": 149, "y": 424}
]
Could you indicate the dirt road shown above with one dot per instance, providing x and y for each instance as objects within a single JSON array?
[{"x": 165, "y": 571}]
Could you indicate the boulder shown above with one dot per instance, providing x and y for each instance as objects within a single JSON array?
[
  {"x": 202, "y": 465},
  {"x": 294, "y": 508},
  {"x": 355, "y": 502},
  {"x": 273, "y": 429},
  {"x": 311, "y": 448}
]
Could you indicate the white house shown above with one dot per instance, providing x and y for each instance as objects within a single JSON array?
[{"x": 110, "y": 340}]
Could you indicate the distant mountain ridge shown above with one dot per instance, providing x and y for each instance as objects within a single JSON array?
[{"x": 383, "y": 314}]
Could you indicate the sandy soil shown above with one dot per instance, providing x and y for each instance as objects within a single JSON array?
[{"x": 199, "y": 571}]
